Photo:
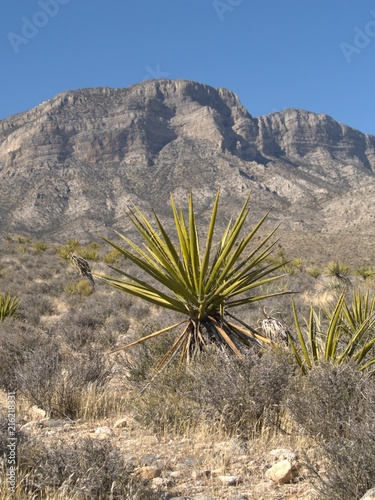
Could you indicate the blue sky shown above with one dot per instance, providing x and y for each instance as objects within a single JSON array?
[{"x": 317, "y": 55}]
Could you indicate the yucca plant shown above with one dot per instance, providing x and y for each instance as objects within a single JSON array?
[
  {"x": 361, "y": 308},
  {"x": 365, "y": 272},
  {"x": 313, "y": 271},
  {"x": 340, "y": 271},
  {"x": 9, "y": 305},
  {"x": 64, "y": 250},
  {"x": 348, "y": 334},
  {"x": 202, "y": 283}
]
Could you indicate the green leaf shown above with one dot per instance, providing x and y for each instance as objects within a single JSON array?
[
  {"x": 302, "y": 342},
  {"x": 333, "y": 331},
  {"x": 207, "y": 253}
]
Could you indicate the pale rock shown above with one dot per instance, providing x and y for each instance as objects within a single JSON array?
[
  {"x": 35, "y": 413},
  {"x": 104, "y": 430},
  {"x": 102, "y": 433},
  {"x": 159, "y": 482},
  {"x": 120, "y": 423},
  {"x": 229, "y": 480},
  {"x": 282, "y": 472},
  {"x": 176, "y": 474},
  {"x": 369, "y": 495}
]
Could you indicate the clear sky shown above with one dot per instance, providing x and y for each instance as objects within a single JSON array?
[{"x": 317, "y": 55}]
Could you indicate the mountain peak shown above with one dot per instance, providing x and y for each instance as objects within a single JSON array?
[{"x": 78, "y": 159}]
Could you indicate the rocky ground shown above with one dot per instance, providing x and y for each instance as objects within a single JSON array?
[{"x": 200, "y": 467}]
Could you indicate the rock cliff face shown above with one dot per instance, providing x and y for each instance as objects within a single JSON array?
[{"x": 72, "y": 165}]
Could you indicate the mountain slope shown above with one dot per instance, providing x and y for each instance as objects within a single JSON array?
[{"x": 72, "y": 165}]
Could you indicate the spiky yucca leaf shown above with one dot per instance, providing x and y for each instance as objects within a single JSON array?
[
  {"x": 196, "y": 280},
  {"x": 348, "y": 335},
  {"x": 9, "y": 305}
]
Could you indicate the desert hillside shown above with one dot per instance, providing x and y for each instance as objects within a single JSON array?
[{"x": 70, "y": 167}]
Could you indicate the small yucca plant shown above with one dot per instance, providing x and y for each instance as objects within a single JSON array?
[
  {"x": 340, "y": 271},
  {"x": 313, "y": 271},
  {"x": 365, "y": 272},
  {"x": 9, "y": 305},
  {"x": 347, "y": 334},
  {"x": 199, "y": 282},
  {"x": 64, "y": 250}
]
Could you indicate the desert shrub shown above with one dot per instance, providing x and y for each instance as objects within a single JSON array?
[
  {"x": 83, "y": 469},
  {"x": 15, "y": 343},
  {"x": 22, "y": 249},
  {"x": 99, "y": 319},
  {"x": 87, "y": 316},
  {"x": 244, "y": 395},
  {"x": 164, "y": 403},
  {"x": 58, "y": 384},
  {"x": 35, "y": 305},
  {"x": 23, "y": 240},
  {"x": 83, "y": 288},
  {"x": 76, "y": 336},
  {"x": 241, "y": 397},
  {"x": 140, "y": 362},
  {"x": 335, "y": 406},
  {"x": 79, "y": 336}
]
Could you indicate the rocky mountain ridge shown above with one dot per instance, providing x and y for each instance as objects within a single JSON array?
[{"x": 71, "y": 166}]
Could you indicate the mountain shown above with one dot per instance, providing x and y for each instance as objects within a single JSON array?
[{"x": 70, "y": 167}]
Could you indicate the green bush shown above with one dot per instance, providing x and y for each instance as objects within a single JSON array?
[
  {"x": 82, "y": 288},
  {"x": 112, "y": 257}
]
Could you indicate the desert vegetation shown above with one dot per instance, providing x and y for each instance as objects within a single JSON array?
[{"x": 226, "y": 407}]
